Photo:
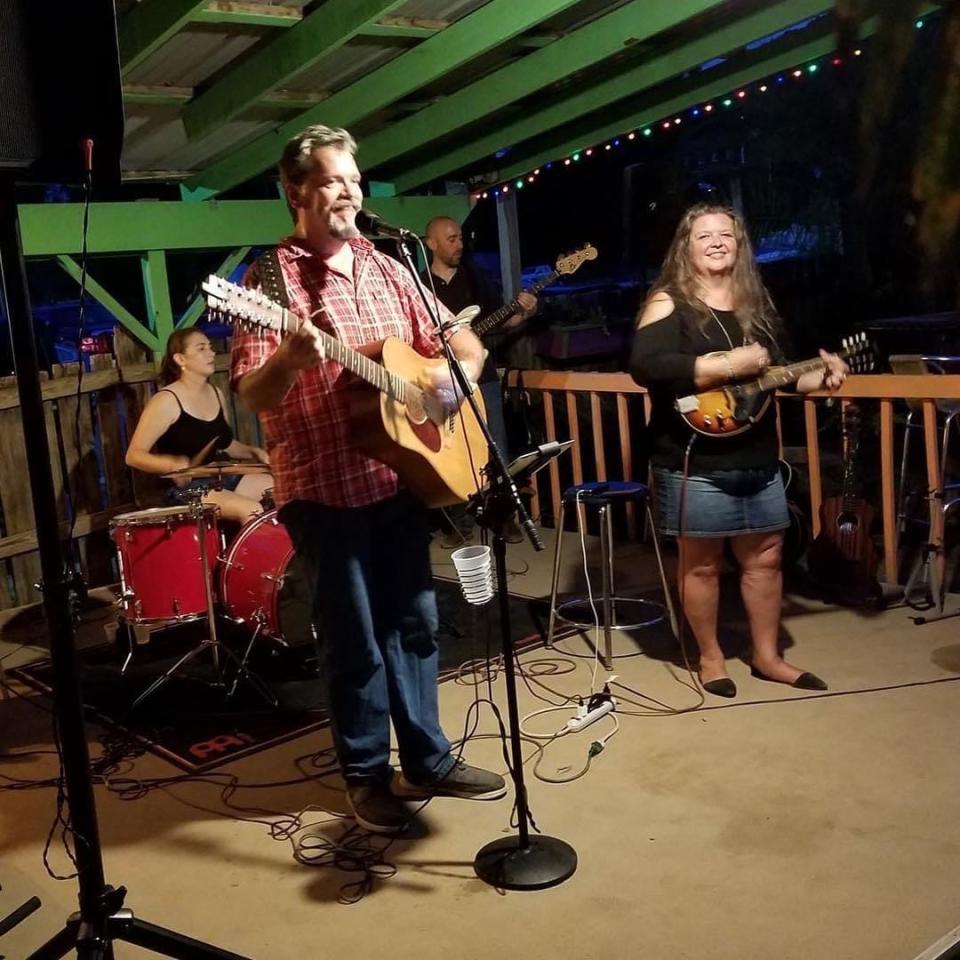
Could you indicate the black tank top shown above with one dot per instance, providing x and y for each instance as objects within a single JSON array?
[{"x": 188, "y": 435}]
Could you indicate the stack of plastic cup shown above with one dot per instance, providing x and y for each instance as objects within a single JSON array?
[{"x": 475, "y": 573}]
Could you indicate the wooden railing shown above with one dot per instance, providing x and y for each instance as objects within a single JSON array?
[
  {"x": 89, "y": 472},
  {"x": 561, "y": 392}
]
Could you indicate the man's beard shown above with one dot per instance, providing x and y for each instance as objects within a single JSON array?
[{"x": 340, "y": 228}]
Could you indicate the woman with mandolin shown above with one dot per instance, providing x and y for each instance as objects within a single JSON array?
[{"x": 708, "y": 322}]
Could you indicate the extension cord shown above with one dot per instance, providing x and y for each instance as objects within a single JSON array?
[{"x": 575, "y": 724}]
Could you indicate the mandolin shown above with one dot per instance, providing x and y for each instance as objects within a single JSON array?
[
  {"x": 438, "y": 458},
  {"x": 564, "y": 265},
  {"x": 843, "y": 557},
  {"x": 734, "y": 408}
]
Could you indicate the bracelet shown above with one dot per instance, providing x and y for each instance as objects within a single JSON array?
[{"x": 726, "y": 360}]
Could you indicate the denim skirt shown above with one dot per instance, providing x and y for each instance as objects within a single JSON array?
[{"x": 721, "y": 503}]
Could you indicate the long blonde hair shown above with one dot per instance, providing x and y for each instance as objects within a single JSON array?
[{"x": 753, "y": 307}]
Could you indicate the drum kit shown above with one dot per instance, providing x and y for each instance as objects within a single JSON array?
[{"x": 176, "y": 566}]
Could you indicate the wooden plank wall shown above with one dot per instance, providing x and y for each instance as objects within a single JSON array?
[{"x": 87, "y": 439}]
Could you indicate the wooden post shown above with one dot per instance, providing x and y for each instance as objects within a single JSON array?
[{"x": 888, "y": 492}]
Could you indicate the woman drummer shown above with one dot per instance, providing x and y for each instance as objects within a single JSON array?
[{"x": 184, "y": 425}]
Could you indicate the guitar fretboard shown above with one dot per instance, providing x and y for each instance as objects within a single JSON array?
[
  {"x": 354, "y": 361},
  {"x": 491, "y": 322}
]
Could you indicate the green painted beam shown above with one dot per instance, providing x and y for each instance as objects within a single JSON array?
[
  {"x": 249, "y": 14},
  {"x": 491, "y": 25},
  {"x": 399, "y": 31},
  {"x": 149, "y": 25},
  {"x": 117, "y": 309},
  {"x": 327, "y": 29},
  {"x": 774, "y": 62},
  {"x": 647, "y": 74},
  {"x": 156, "y": 288},
  {"x": 197, "y": 306},
  {"x": 596, "y": 42},
  {"x": 164, "y": 96},
  {"x": 52, "y": 229}
]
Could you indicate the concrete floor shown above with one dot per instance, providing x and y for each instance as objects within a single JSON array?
[{"x": 778, "y": 824}]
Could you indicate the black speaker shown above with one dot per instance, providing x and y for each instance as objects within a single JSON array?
[{"x": 60, "y": 86}]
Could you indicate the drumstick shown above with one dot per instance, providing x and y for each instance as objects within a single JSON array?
[{"x": 198, "y": 459}]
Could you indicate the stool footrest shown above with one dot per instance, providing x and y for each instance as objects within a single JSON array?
[{"x": 641, "y": 613}]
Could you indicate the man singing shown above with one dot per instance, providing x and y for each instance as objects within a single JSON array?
[{"x": 362, "y": 539}]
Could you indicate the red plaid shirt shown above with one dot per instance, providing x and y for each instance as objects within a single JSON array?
[{"x": 312, "y": 453}]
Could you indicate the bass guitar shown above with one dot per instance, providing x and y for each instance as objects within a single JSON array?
[
  {"x": 437, "y": 457},
  {"x": 734, "y": 408},
  {"x": 843, "y": 557},
  {"x": 564, "y": 265}
]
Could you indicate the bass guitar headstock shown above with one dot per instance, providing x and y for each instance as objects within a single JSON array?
[{"x": 573, "y": 261}]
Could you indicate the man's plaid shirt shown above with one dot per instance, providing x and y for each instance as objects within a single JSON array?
[{"x": 312, "y": 453}]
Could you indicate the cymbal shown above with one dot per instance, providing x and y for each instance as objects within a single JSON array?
[{"x": 219, "y": 468}]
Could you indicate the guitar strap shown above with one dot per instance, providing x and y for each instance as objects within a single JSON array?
[{"x": 271, "y": 277}]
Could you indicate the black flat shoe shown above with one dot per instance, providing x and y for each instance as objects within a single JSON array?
[
  {"x": 721, "y": 687},
  {"x": 806, "y": 681}
]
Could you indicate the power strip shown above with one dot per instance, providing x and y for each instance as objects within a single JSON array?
[{"x": 575, "y": 724}]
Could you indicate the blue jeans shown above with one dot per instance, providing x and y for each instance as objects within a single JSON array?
[{"x": 369, "y": 568}]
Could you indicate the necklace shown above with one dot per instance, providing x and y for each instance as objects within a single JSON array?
[{"x": 723, "y": 329}]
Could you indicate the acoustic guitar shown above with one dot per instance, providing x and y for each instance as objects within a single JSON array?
[
  {"x": 564, "y": 265},
  {"x": 734, "y": 408},
  {"x": 843, "y": 558},
  {"x": 437, "y": 457}
]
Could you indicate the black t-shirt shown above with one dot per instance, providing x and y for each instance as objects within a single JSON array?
[
  {"x": 662, "y": 360},
  {"x": 467, "y": 288}
]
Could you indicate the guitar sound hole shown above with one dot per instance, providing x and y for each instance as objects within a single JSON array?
[{"x": 847, "y": 523}]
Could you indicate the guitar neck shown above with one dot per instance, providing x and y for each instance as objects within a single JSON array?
[
  {"x": 490, "y": 323},
  {"x": 357, "y": 363}
]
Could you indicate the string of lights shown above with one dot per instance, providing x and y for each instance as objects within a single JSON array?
[{"x": 715, "y": 106}]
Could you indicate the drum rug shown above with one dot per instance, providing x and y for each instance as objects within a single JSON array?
[{"x": 190, "y": 721}]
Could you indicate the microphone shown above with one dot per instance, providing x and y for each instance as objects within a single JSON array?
[{"x": 370, "y": 223}]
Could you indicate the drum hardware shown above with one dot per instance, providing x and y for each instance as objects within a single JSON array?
[
  {"x": 210, "y": 641},
  {"x": 218, "y": 469}
]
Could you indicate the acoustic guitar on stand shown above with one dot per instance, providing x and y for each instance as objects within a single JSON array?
[
  {"x": 564, "y": 265},
  {"x": 735, "y": 407},
  {"x": 843, "y": 559},
  {"x": 438, "y": 457}
]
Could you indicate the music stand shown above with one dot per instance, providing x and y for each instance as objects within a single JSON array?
[{"x": 520, "y": 862}]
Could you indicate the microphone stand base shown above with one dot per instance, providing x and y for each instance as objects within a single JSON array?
[{"x": 510, "y": 864}]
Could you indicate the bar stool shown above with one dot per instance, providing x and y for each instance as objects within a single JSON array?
[
  {"x": 616, "y": 613},
  {"x": 948, "y": 493}
]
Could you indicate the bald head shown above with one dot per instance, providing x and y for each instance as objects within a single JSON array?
[{"x": 445, "y": 241}]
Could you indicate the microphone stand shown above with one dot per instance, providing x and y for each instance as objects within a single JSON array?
[
  {"x": 102, "y": 918},
  {"x": 521, "y": 862}
]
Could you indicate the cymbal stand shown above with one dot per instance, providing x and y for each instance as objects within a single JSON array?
[{"x": 210, "y": 641}]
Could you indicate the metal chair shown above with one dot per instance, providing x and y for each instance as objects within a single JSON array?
[{"x": 637, "y": 612}]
